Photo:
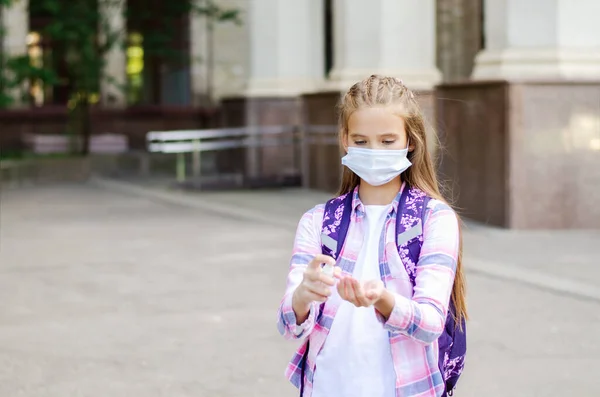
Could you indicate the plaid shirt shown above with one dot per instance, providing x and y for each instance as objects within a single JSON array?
[{"x": 418, "y": 317}]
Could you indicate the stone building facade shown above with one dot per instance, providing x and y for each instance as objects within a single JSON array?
[{"x": 512, "y": 89}]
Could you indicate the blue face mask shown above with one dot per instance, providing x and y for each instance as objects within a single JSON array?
[{"x": 376, "y": 167}]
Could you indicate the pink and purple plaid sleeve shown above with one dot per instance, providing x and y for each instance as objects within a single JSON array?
[
  {"x": 422, "y": 318},
  {"x": 307, "y": 244}
]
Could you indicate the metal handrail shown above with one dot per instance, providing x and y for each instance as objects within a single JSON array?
[{"x": 198, "y": 141}]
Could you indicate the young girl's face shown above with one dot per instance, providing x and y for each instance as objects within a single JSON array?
[{"x": 375, "y": 128}]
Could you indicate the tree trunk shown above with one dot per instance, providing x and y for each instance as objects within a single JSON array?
[
  {"x": 85, "y": 124},
  {"x": 79, "y": 126}
]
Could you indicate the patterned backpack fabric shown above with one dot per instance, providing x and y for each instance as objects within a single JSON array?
[{"x": 409, "y": 238}]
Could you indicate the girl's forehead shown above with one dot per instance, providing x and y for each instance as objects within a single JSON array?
[{"x": 375, "y": 121}]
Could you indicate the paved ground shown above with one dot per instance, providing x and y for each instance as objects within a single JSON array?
[{"x": 111, "y": 290}]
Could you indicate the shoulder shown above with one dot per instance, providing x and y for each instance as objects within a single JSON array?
[
  {"x": 315, "y": 217},
  {"x": 437, "y": 206},
  {"x": 434, "y": 206},
  {"x": 318, "y": 211},
  {"x": 312, "y": 221},
  {"x": 440, "y": 215},
  {"x": 315, "y": 213}
]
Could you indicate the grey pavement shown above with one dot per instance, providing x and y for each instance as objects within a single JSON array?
[{"x": 112, "y": 289}]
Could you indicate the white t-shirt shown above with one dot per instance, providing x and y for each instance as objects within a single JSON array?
[{"x": 356, "y": 360}]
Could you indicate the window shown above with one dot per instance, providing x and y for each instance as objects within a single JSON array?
[
  {"x": 328, "y": 36},
  {"x": 135, "y": 67},
  {"x": 158, "y": 64},
  {"x": 36, "y": 56}
]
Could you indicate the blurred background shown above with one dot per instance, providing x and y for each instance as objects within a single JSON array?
[{"x": 156, "y": 156}]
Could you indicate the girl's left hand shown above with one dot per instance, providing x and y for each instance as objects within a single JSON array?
[{"x": 360, "y": 295}]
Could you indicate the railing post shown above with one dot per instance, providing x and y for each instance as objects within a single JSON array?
[
  {"x": 304, "y": 153},
  {"x": 196, "y": 165},
  {"x": 180, "y": 167},
  {"x": 253, "y": 152}
]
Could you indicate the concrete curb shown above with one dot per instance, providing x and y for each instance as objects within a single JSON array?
[
  {"x": 474, "y": 265},
  {"x": 533, "y": 278},
  {"x": 183, "y": 199}
]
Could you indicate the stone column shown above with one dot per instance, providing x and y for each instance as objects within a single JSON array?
[
  {"x": 116, "y": 60},
  {"x": 390, "y": 37},
  {"x": 15, "y": 22},
  {"x": 219, "y": 54},
  {"x": 286, "y": 47},
  {"x": 459, "y": 33},
  {"x": 286, "y": 59},
  {"x": 540, "y": 40},
  {"x": 522, "y": 139},
  {"x": 198, "y": 57}
]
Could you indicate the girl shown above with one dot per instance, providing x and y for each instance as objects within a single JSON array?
[{"x": 370, "y": 329}]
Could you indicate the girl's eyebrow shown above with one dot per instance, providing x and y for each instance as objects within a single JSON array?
[{"x": 357, "y": 135}]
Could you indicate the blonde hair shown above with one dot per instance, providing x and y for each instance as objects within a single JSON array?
[{"x": 389, "y": 92}]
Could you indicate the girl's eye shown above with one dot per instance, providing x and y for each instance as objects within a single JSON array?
[
  {"x": 360, "y": 142},
  {"x": 388, "y": 142}
]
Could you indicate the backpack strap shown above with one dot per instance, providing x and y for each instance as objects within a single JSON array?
[
  {"x": 410, "y": 219},
  {"x": 336, "y": 220}
]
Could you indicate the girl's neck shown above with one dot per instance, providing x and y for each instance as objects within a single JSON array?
[{"x": 379, "y": 195}]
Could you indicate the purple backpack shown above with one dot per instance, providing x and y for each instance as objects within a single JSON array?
[{"x": 409, "y": 237}]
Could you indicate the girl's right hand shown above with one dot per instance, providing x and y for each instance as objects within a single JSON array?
[{"x": 315, "y": 284}]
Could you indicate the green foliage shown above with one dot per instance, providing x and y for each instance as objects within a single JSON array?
[
  {"x": 77, "y": 58},
  {"x": 79, "y": 51},
  {"x": 5, "y": 99},
  {"x": 72, "y": 32},
  {"x": 74, "y": 36},
  {"x": 20, "y": 69},
  {"x": 214, "y": 13},
  {"x": 159, "y": 34},
  {"x": 81, "y": 35}
]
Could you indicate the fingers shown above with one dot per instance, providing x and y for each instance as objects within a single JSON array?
[
  {"x": 349, "y": 291},
  {"x": 337, "y": 272},
  {"x": 319, "y": 259},
  {"x": 312, "y": 297},
  {"x": 370, "y": 294},
  {"x": 346, "y": 290},
  {"x": 325, "y": 279},
  {"x": 340, "y": 289},
  {"x": 359, "y": 293},
  {"x": 308, "y": 295},
  {"x": 367, "y": 290},
  {"x": 352, "y": 291},
  {"x": 316, "y": 283},
  {"x": 315, "y": 273},
  {"x": 318, "y": 292},
  {"x": 319, "y": 289},
  {"x": 317, "y": 276},
  {"x": 373, "y": 289}
]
